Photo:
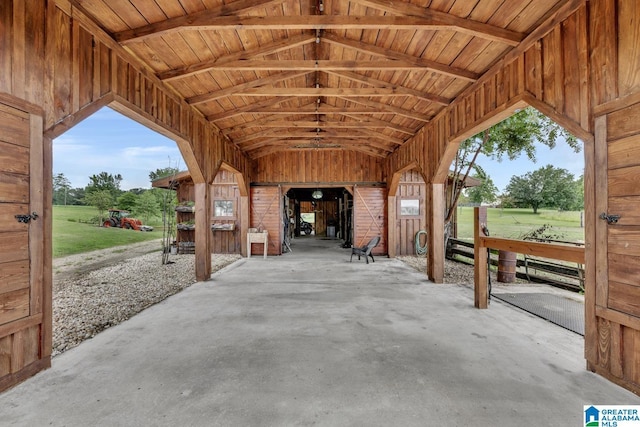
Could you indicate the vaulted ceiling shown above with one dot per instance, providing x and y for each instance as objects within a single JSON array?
[{"x": 360, "y": 75}]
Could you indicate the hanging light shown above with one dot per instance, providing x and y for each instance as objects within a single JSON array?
[{"x": 317, "y": 194}]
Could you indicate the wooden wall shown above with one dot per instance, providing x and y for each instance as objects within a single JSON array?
[
  {"x": 266, "y": 214},
  {"x": 615, "y": 290},
  {"x": 370, "y": 217},
  {"x": 411, "y": 186},
  {"x": 25, "y": 293},
  {"x": 317, "y": 167},
  {"x": 225, "y": 187}
]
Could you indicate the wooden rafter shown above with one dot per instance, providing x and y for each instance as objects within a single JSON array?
[
  {"x": 241, "y": 89},
  {"x": 387, "y": 108},
  {"x": 322, "y": 91},
  {"x": 462, "y": 25},
  {"x": 382, "y": 84},
  {"x": 247, "y": 108},
  {"x": 194, "y": 19},
  {"x": 326, "y": 22},
  {"x": 403, "y": 57},
  {"x": 275, "y": 47}
]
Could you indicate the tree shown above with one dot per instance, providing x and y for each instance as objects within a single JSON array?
[
  {"x": 162, "y": 172},
  {"x": 546, "y": 187},
  {"x": 127, "y": 201},
  {"x": 486, "y": 191},
  {"x": 101, "y": 200},
  {"x": 76, "y": 196},
  {"x": 61, "y": 187},
  {"x": 147, "y": 206},
  {"x": 105, "y": 181},
  {"x": 513, "y": 136},
  {"x": 578, "y": 188}
]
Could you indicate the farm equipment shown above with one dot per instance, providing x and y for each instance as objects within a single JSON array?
[{"x": 120, "y": 218}]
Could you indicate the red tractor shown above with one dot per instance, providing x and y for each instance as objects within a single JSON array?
[{"x": 120, "y": 218}]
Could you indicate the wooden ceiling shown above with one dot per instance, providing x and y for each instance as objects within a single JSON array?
[{"x": 360, "y": 75}]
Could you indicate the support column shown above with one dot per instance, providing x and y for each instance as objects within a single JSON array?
[
  {"x": 244, "y": 224},
  {"x": 203, "y": 231},
  {"x": 480, "y": 288},
  {"x": 392, "y": 237},
  {"x": 435, "y": 236}
]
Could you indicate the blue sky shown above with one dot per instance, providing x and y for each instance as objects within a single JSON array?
[{"x": 110, "y": 142}]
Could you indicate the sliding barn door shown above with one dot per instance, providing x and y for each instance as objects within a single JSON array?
[
  {"x": 617, "y": 248},
  {"x": 23, "y": 307},
  {"x": 370, "y": 217}
]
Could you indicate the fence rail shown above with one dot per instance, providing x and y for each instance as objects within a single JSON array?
[
  {"x": 482, "y": 243},
  {"x": 531, "y": 268}
]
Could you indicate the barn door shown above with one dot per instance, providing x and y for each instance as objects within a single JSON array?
[
  {"x": 370, "y": 217},
  {"x": 266, "y": 214},
  {"x": 22, "y": 301},
  {"x": 617, "y": 247}
]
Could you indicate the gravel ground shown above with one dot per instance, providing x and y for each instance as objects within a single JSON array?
[{"x": 92, "y": 296}]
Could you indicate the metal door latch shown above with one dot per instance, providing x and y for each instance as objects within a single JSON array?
[
  {"x": 26, "y": 218},
  {"x": 611, "y": 219}
]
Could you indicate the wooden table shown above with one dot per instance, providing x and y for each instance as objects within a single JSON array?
[{"x": 258, "y": 238}]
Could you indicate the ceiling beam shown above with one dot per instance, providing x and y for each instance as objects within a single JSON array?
[
  {"x": 462, "y": 25},
  {"x": 380, "y": 106},
  {"x": 317, "y": 65},
  {"x": 370, "y": 49},
  {"x": 275, "y": 47},
  {"x": 382, "y": 84},
  {"x": 198, "y": 18},
  {"x": 360, "y": 124},
  {"x": 212, "y": 22},
  {"x": 241, "y": 89},
  {"x": 322, "y": 91},
  {"x": 247, "y": 108}
]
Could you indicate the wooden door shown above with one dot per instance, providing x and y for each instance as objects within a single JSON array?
[
  {"x": 613, "y": 345},
  {"x": 25, "y": 318},
  {"x": 410, "y": 212},
  {"x": 370, "y": 217},
  {"x": 266, "y": 214}
]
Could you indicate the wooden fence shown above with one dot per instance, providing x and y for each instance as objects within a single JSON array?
[
  {"x": 528, "y": 267},
  {"x": 482, "y": 243}
]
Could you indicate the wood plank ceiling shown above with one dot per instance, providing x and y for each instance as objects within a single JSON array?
[{"x": 361, "y": 75}]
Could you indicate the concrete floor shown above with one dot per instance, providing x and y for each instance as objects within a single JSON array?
[{"x": 308, "y": 338}]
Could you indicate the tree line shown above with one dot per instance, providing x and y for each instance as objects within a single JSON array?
[
  {"x": 103, "y": 192},
  {"x": 546, "y": 187}
]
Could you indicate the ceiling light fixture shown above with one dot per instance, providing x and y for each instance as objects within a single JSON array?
[{"x": 317, "y": 194}]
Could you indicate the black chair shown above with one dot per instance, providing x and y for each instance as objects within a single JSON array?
[{"x": 365, "y": 250}]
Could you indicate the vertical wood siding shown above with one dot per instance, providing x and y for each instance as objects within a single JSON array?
[
  {"x": 22, "y": 324},
  {"x": 412, "y": 186},
  {"x": 317, "y": 167},
  {"x": 225, "y": 187},
  {"x": 370, "y": 217},
  {"x": 266, "y": 214}
]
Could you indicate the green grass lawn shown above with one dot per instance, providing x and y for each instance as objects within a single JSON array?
[
  {"x": 71, "y": 235},
  {"x": 513, "y": 223}
]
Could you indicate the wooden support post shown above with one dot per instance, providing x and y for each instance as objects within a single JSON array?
[
  {"x": 203, "y": 231},
  {"x": 244, "y": 223},
  {"x": 392, "y": 242},
  {"x": 435, "y": 236},
  {"x": 480, "y": 289}
]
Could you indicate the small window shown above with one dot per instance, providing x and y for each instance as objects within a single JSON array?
[
  {"x": 410, "y": 207},
  {"x": 223, "y": 208}
]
